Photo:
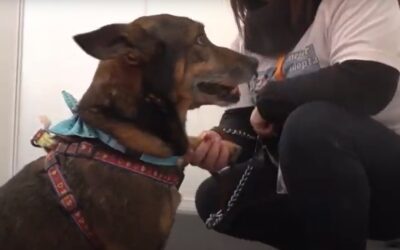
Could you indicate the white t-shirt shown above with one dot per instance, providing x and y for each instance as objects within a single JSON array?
[{"x": 342, "y": 30}]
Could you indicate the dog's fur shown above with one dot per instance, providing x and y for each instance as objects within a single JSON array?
[{"x": 151, "y": 72}]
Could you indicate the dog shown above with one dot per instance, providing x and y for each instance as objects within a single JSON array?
[{"x": 151, "y": 72}]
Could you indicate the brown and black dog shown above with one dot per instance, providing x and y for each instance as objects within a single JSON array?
[{"x": 152, "y": 71}]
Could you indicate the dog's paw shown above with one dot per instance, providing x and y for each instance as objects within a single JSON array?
[
  {"x": 234, "y": 150},
  {"x": 162, "y": 150}
]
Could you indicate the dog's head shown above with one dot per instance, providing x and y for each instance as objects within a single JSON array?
[
  {"x": 210, "y": 74},
  {"x": 163, "y": 65}
]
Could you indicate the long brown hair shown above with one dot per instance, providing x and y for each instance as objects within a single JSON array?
[
  {"x": 297, "y": 8},
  {"x": 271, "y": 27},
  {"x": 240, "y": 7}
]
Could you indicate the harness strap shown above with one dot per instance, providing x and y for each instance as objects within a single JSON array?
[
  {"x": 85, "y": 149},
  {"x": 67, "y": 199}
]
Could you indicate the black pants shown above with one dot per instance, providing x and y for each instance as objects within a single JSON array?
[{"x": 342, "y": 172}]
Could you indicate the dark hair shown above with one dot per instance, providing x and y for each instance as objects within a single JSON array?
[
  {"x": 273, "y": 27},
  {"x": 240, "y": 7}
]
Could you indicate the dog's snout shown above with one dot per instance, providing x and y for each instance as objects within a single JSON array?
[
  {"x": 237, "y": 72},
  {"x": 253, "y": 64},
  {"x": 245, "y": 69}
]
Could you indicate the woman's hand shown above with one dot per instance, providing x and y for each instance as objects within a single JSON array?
[
  {"x": 211, "y": 154},
  {"x": 261, "y": 126}
]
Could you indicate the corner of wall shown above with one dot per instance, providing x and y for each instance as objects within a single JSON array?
[{"x": 11, "y": 16}]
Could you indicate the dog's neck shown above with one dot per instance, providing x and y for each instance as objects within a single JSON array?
[
  {"x": 118, "y": 73},
  {"x": 124, "y": 102}
]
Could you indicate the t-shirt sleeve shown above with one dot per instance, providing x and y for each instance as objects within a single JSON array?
[{"x": 364, "y": 30}]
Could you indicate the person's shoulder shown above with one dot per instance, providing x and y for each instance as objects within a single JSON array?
[
  {"x": 348, "y": 4},
  {"x": 329, "y": 5},
  {"x": 334, "y": 10}
]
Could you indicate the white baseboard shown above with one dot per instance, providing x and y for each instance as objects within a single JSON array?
[{"x": 187, "y": 206}]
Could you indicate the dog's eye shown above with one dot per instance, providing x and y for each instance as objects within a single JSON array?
[{"x": 202, "y": 40}]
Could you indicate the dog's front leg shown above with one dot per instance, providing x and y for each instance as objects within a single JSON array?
[
  {"x": 125, "y": 133},
  {"x": 234, "y": 149}
]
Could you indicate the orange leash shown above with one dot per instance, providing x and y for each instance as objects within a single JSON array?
[{"x": 279, "y": 75}]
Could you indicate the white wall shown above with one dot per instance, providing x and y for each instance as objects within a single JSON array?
[
  {"x": 9, "y": 28},
  {"x": 52, "y": 62}
]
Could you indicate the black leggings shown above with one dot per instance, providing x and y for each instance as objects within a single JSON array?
[{"x": 342, "y": 173}]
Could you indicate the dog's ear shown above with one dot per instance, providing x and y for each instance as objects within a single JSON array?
[{"x": 114, "y": 40}]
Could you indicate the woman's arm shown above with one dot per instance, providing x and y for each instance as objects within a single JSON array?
[
  {"x": 235, "y": 127},
  {"x": 362, "y": 40},
  {"x": 363, "y": 87},
  {"x": 212, "y": 153}
]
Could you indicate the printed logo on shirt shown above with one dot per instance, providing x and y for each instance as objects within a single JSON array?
[
  {"x": 296, "y": 63},
  {"x": 301, "y": 62}
]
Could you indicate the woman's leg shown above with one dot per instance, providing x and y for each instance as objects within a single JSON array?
[
  {"x": 342, "y": 172},
  {"x": 260, "y": 214}
]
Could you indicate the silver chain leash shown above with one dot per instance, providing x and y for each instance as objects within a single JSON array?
[
  {"x": 240, "y": 133},
  {"x": 216, "y": 218}
]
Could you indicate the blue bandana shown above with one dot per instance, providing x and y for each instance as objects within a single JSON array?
[{"x": 74, "y": 126}]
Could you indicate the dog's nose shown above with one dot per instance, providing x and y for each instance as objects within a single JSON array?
[{"x": 253, "y": 62}]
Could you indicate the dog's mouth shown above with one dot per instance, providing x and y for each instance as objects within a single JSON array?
[{"x": 223, "y": 92}]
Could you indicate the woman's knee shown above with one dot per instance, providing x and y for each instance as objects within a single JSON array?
[
  {"x": 312, "y": 124},
  {"x": 317, "y": 144},
  {"x": 313, "y": 133}
]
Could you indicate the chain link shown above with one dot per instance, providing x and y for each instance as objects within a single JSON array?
[
  {"x": 240, "y": 133},
  {"x": 216, "y": 218}
]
